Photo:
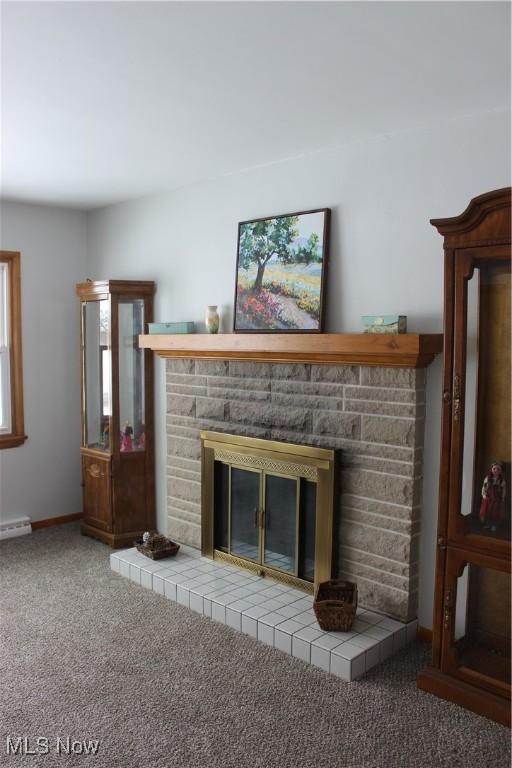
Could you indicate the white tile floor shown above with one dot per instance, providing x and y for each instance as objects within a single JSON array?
[{"x": 267, "y": 610}]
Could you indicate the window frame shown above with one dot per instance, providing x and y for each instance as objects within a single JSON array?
[{"x": 16, "y": 434}]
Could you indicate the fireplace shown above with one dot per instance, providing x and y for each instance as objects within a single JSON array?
[
  {"x": 372, "y": 417},
  {"x": 268, "y": 506}
]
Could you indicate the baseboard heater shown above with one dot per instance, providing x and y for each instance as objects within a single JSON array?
[{"x": 12, "y": 528}]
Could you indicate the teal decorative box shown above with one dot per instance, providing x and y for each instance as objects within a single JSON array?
[
  {"x": 171, "y": 327},
  {"x": 384, "y": 323}
]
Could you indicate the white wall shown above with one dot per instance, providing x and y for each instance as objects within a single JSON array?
[
  {"x": 41, "y": 478},
  {"x": 385, "y": 256}
]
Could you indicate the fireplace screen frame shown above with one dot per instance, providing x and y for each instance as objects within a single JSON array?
[{"x": 279, "y": 459}]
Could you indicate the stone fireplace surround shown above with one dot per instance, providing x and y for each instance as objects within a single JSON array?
[{"x": 373, "y": 415}]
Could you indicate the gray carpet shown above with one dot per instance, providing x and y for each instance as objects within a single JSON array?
[{"x": 87, "y": 654}]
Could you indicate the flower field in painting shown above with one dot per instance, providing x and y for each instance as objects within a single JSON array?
[{"x": 289, "y": 298}]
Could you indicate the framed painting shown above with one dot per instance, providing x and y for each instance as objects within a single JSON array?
[{"x": 281, "y": 272}]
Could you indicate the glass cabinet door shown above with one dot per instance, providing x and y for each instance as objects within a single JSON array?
[
  {"x": 476, "y": 620},
  {"x": 131, "y": 376},
  {"x": 97, "y": 375},
  {"x": 480, "y": 460}
]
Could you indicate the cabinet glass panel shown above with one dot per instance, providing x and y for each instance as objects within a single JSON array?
[
  {"x": 245, "y": 511},
  {"x": 280, "y": 523},
  {"x": 131, "y": 376},
  {"x": 485, "y": 498},
  {"x": 97, "y": 374},
  {"x": 482, "y": 621}
]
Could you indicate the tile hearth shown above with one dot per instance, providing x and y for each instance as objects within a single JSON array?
[{"x": 267, "y": 610}]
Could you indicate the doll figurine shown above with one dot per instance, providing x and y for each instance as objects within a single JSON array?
[
  {"x": 105, "y": 437},
  {"x": 126, "y": 438},
  {"x": 493, "y": 497},
  {"x": 141, "y": 442}
]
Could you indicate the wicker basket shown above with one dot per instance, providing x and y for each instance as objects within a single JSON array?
[
  {"x": 335, "y": 605},
  {"x": 157, "y": 547}
]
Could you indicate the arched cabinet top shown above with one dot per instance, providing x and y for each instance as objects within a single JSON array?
[{"x": 486, "y": 221}]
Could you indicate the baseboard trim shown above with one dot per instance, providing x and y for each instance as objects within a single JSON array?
[
  {"x": 10, "y": 529},
  {"x": 51, "y": 521},
  {"x": 422, "y": 633}
]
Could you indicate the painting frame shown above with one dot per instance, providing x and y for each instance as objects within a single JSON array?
[{"x": 323, "y": 239}]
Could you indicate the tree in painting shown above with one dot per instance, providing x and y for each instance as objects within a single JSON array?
[{"x": 262, "y": 240}]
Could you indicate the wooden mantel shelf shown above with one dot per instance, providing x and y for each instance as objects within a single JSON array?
[{"x": 408, "y": 350}]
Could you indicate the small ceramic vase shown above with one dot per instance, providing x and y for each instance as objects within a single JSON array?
[{"x": 212, "y": 319}]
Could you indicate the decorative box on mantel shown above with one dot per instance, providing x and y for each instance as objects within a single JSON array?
[{"x": 361, "y": 394}]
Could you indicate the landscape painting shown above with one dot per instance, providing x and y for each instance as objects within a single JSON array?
[{"x": 280, "y": 273}]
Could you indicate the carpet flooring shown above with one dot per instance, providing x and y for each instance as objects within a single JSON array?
[{"x": 87, "y": 654}]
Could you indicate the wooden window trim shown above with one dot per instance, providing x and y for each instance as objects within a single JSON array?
[{"x": 17, "y": 434}]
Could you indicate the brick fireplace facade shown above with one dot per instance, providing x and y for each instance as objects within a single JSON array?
[{"x": 374, "y": 416}]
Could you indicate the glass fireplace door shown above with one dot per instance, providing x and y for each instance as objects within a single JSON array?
[
  {"x": 245, "y": 515},
  {"x": 265, "y": 517},
  {"x": 280, "y": 541},
  {"x": 269, "y": 504}
]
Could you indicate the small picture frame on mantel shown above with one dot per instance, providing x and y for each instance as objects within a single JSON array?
[{"x": 281, "y": 273}]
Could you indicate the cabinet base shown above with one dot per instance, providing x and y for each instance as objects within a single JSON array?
[
  {"x": 477, "y": 700},
  {"x": 114, "y": 540}
]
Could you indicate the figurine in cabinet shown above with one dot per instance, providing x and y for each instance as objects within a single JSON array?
[
  {"x": 494, "y": 492},
  {"x": 117, "y": 408},
  {"x": 127, "y": 437}
]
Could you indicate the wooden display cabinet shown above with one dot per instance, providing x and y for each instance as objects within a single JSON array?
[
  {"x": 117, "y": 411},
  {"x": 471, "y": 631}
]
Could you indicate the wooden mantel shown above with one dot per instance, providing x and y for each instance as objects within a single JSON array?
[{"x": 408, "y": 350}]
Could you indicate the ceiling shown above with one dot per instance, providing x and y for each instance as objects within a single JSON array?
[{"x": 103, "y": 102}]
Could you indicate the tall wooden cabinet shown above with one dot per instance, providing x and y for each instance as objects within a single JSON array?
[
  {"x": 471, "y": 631},
  {"x": 117, "y": 411}
]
